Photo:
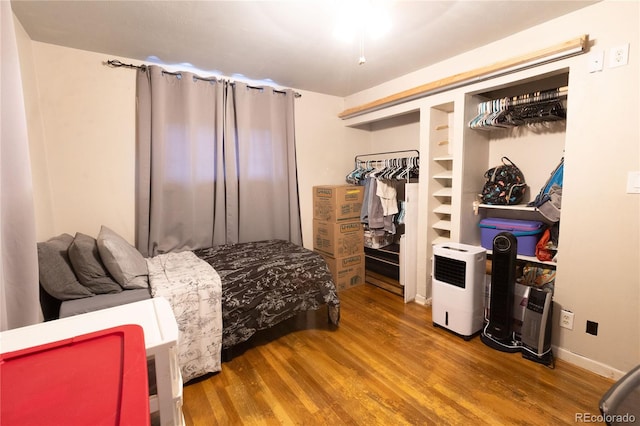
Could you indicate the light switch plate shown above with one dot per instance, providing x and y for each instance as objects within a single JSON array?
[
  {"x": 633, "y": 183},
  {"x": 596, "y": 61}
]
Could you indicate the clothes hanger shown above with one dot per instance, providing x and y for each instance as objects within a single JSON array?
[{"x": 401, "y": 166}]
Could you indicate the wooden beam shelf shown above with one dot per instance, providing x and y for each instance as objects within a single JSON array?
[{"x": 562, "y": 50}]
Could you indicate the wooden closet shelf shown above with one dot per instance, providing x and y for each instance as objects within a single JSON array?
[
  {"x": 444, "y": 192},
  {"x": 443, "y": 209},
  {"x": 448, "y": 175},
  {"x": 574, "y": 46}
]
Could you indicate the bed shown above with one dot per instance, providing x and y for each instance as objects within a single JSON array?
[
  {"x": 221, "y": 296},
  {"x": 267, "y": 282}
]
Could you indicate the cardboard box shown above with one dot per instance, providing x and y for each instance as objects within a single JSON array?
[
  {"x": 333, "y": 203},
  {"x": 338, "y": 239},
  {"x": 346, "y": 271}
]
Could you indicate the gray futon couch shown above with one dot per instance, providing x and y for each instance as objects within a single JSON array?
[{"x": 82, "y": 274}]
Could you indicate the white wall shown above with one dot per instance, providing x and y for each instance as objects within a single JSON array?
[
  {"x": 598, "y": 273},
  {"x": 39, "y": 169},
  {"x": 87, "y": 113}
]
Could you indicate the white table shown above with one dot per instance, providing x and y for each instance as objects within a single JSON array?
[{"x": 161, "y": 340}]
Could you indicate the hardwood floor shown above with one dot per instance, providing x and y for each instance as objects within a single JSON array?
[{"x": 385, "y": 365}]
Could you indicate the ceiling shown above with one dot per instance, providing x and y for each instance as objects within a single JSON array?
[{"x": 288, "y": 43}]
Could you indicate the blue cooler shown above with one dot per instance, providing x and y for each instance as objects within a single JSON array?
[{"x": 527, "y": 232}]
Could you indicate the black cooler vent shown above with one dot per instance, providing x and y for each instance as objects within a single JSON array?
[{"x": 450, "y": 271}]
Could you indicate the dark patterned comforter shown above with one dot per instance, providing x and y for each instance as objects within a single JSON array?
[{"x": 266, "y": 282}]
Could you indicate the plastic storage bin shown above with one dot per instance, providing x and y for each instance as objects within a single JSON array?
[
  {"x": 98, "y": 378},
  {"x": 156, "y": 318},
  {"x": 375, "y": 239},
  {"x": 527, "y": 232}
]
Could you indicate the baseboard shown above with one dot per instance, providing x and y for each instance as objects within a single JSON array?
[
  {"x": 421, "y": 300},
  {"x": 588, "y": 364},
  {"x": 565, "y": 355}
]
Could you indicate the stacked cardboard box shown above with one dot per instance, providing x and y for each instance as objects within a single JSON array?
[{"x": 337, "y": 232}]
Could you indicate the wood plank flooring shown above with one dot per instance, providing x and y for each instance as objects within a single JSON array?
[{"x": 385, "y": 365}]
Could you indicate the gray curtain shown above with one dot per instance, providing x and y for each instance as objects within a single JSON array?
[
  {"x": 215, "y": 163},
  {"x": 19, "y": 302}
]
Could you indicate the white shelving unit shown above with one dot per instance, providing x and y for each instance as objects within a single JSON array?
[
  {"x": 441, "y": 174},
  {"x": 156, "y": 318}
]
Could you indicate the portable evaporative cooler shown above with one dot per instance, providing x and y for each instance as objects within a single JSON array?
[{"x": 458, "y": 288}]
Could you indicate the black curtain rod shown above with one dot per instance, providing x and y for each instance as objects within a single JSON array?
[{"x": 118, "y": 64}]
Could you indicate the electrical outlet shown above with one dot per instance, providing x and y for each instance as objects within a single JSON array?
[
  {"x": 619, "y": 56},
  {"x": 592, "y": 327},
  {"x": 566, "y": 319}
]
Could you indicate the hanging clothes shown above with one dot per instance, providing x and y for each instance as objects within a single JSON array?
[
  {"x": 379, "y": 212},
  {"x": 380, "y": 209},
  {"x": 388, "y": 197},
  {"x": 372, "y": 211}
]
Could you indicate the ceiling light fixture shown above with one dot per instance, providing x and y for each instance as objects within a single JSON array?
[{"x": 362, "y": 19}]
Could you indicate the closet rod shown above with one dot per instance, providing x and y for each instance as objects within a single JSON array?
[
  {"x": 356, "y": 159},
  {"x": 118, "y": 64},
  {"x": 545, "y": 94}
]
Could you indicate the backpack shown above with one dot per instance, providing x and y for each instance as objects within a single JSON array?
[
  {"x": 549, "y": 200},
  {"x": 505, "y": 184},
  {"x": 554, "y": 179}
]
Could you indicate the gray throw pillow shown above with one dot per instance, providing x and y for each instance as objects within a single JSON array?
[
  {"x": 122, "y": 260},
  {"x": 55, "y": 272},
  {"x": 86, "y": 262}
]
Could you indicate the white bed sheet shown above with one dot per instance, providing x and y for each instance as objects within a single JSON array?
[{"x": 194, "y": 291}]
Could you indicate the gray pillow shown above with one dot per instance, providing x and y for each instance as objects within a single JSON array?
[
  {"x": 86, "y": 262},
  {"x": 122, "y": 260},
  {"x": 55, "y": 272}
]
